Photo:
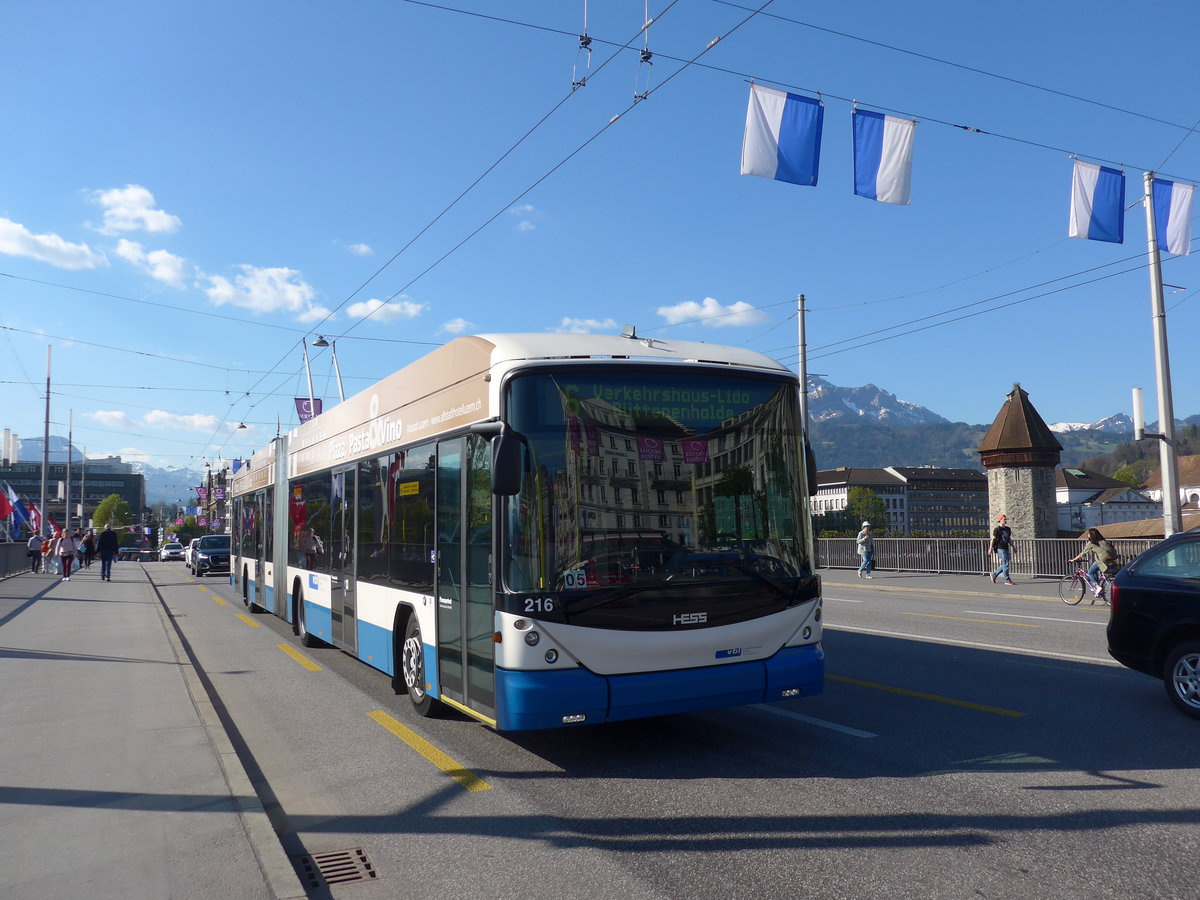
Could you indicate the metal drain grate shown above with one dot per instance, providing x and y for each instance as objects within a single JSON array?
[{"x": 338, "y": 867}]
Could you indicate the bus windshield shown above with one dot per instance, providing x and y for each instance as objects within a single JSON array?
[{"x": 644, "y": 485}]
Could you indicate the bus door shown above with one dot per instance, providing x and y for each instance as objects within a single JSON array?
[
  {"x": 342, "y": 553},
  {"x": 262, "y": 531},
  {"x": 466, "y": 654}
]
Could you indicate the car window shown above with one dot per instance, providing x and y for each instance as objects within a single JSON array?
[
  {"x": 1179, "y": 561},
  {"x": 215, "y": 542}
]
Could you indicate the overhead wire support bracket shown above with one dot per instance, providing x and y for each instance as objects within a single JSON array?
[
  {"x": 585, "y": 47},
  {"x": 641, "y": 90}
]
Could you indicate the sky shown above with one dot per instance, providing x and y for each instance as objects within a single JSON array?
[{"x": 191, "y": 191}]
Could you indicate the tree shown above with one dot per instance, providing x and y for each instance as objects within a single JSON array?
[
  {"x": 112, "y": 511},
  {"x": 867, "y": 506}
]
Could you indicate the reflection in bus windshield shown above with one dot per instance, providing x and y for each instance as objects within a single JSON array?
[{"x": 633, "y": 479}]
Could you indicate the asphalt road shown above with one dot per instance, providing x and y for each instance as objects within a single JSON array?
[{"x": 965, "y": 746}]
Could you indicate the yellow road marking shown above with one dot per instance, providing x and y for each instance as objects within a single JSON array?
[
  {"x": 465, "y": 777},
  {"x": 907, "y": 693},
  {"x": 201, "y": 587},
  {"x": 249, "y": 621},
  {"x": 468, "y": 711},
  {"x": 299, "y": 657},
  {"x": 964, "y": 619},
  {"x": 219, "y": 600}
]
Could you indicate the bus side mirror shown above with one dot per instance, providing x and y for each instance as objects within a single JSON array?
[
  {"x": 506, "y": 456},
  {"x": 810, "y": 465},
  {"x": 506, "y": 464}
]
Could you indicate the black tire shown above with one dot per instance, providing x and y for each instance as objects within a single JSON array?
[
  {"x": 1071, "y": 589},
  {"x": 307, "y": 639},
  {"x": 1181, "y": 677},
  {"x": 412, "y": 671}
]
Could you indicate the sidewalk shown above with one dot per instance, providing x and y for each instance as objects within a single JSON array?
[
  {"x": 1026, "y": 587},
  {"x": 116, "y": 777}
]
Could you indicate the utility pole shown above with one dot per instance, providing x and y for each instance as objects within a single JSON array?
[
  {"x": 1168, "y": 465},
  {"x": 67, "y": 499},
  {"x": 803, "y": 366}
]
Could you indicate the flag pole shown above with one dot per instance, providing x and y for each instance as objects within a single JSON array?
[
  {"x": 1168, "y": 465},
  {"x": 42, "y": 517}
]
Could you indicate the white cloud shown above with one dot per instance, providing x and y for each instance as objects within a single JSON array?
[
  {"x": 266, "y": 291},
  {"x": 160, "y": 264},
  {"x": 522, "y": 212},
  {"x": 379, "y": 311},
  {"x": 110, "y": 417},
  {"x": 456, "y": 326},
  {"x": 584, "y": 326},
  {"x": 712, "y": 314},
  {"x": 17, "y": 240},
  {"x": 158, "y": 418},
  {"x": 360, "y": 249},
  {"x": 132, "y": 454},
  {"x": 131, "y": 208}
]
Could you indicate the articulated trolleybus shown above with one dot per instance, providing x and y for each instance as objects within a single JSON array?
[{"x": 546, "y": 529}]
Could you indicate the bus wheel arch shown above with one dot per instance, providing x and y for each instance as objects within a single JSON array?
[{"x": 410, "y": 663}]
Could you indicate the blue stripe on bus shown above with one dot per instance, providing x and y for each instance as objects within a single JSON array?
[
  {"x": 375, "y": 647},
  {"x": 318, "y": 620},
  {"x": 540, "y": 699}
]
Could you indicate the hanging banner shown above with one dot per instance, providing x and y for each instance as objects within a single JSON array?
[{"x": 306, "y": 408}]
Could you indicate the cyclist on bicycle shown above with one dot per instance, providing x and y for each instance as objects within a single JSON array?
[{"x": 1103, "y": 558}]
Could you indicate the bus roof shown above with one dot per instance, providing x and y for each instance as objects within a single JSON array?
[{"x": 553, "y": 345}]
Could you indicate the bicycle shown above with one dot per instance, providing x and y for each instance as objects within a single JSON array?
[{"x": 1071, "y": 588}]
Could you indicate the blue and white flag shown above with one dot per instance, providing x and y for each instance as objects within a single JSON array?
[
  {"x": 1172, "y": 215},
  {"x": 1097, "y": 203},
  {"x": 883, "y": 148},
  {"x": 783, "y": 136}
]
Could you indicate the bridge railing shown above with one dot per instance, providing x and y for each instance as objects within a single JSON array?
[{"x": 966, "y": 556}]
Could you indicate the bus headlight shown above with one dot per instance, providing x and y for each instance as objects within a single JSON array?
[
  {"x": 532, "y": 638},
  {"x": 551, "y": 656}
]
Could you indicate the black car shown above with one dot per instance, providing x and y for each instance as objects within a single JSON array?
[
  {"x": 211, "y": 555},
  {"x": 1155, "y": 622}
]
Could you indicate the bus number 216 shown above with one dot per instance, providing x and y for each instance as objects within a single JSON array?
[{"x": 539, "y": 604}]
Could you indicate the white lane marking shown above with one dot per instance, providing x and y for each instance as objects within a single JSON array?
[
  {"x": 935, "y": 640},
  {"x": 1038, "y": 618},
  {"x": 841, "y": 599},
  {"x": 809, "y": 720}
]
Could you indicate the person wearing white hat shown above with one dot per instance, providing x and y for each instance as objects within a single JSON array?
[{"x": 866, "y": 551}]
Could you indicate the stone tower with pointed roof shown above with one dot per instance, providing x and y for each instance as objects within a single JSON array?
[{"x": 1020, "y": 454}]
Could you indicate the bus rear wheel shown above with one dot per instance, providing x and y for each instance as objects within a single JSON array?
[
  {"x": 306, "y": 637},
  {"x": 412, "y": 668}
]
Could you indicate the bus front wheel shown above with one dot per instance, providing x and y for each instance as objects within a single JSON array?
[{"x": 412, "y": 667}]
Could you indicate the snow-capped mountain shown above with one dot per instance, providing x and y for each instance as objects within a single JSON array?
[
  {"x": 1115, "y": 424},
  {"x": 828, "y": 402}
]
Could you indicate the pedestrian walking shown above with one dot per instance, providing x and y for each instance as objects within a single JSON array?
[
  {"x": 866, "y": 551},
  {"x": 89, "y": 548},
  {"x": 107, "y": 545},
  {"x": 1001, "y": 548},
  {"x": 65, "y": 549},
  {"x": 49, "y": 559},
  {"x": 34, "y": 553}
]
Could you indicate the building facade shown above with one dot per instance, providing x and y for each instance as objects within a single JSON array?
[
  {"x": 920, "y": 500},
  {"x": 92, "y": 482},
  {"x": 1090, "y": 500}
]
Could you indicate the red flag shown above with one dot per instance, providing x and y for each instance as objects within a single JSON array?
[{"x": 5, "y": 507}]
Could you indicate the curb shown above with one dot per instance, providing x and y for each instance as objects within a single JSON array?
[{"x": 278, "y": 872}]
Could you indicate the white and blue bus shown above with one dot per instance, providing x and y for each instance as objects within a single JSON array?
[{"x": 546, "y": 529}]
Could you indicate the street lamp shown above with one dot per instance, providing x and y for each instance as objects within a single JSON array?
[{"x": 321, "y": 342}]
